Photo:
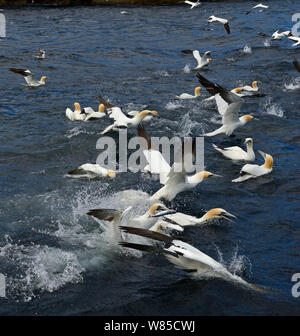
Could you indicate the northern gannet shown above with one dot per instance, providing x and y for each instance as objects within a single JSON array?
[
  {"x": 90, "y": 171},
  {"x": 28, "y": 76},
  {"x": 192, "y": 4},
  {"x": 77, "y": 114},
  {"x": 260, "y": 5},
  {"x": 147, "y": 220},
  {"x": 229, "y": 105},
  {"x": 201, "y": 60},
  {"x": 236, "y": 153},
  {"x": 183, "y": 255},
  {"x": 189, "y": 96},
  {"x": 296, "y": 39},
  {"x": 213, "y": 18},
  {"x": 296, "y": 65},
  {"x": 251, "y": 88},
  {"x": 278, "y": 36},
  {"x": 91, "y": 114},
  {"x": 253, "y": 171},
  {"x": 178, "y": 220},
  {"x": 41, "y": 54}
]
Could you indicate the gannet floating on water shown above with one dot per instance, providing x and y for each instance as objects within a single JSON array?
[
  {"x": 260, "y": 5},
  {"x": 229, "y": 105},
  {"x": 90, "y": 171},
  {"x": 41, "y": 54},
  {"x": 236, "y": 153},
  {"x": 28, "y": 76},
  {"x": 213, "y": 18},
  {"x": 278, "y": 36},
  {"x": 253, "y": 171},
  {"x": 296, "y": 39},
  {"x": 201, "y": 60},
  {"x": 183, "y": 255},
  {"x": 192, "y": 4},
  {"x": 189, "y": 96},
  {"x": 91, "y": 114},
  {"x": 296, "y": 65},
  {"x": 178, "y": 220},
  {"x": 77, "y": 114},
  {"x": 251, "y": 88}
]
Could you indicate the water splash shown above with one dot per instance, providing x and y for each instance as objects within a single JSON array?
[
  {"x": 294, "y": 85},
  {"x": 247, "y": 49},
  {"x": 187, "y": 69},
  {"x": 269, "y": 107},
  {"x": 267, "y": 42},
  {"x": 173, "y": 105}
]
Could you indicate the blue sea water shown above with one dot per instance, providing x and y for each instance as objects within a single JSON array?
[{"x": 59, "y": 261}]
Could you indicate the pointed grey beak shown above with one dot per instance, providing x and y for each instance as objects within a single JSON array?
[
  {"x": 164, "y": 213},
  {"x": 227, "y": 215},
  {"x": 216, "y": 175}
]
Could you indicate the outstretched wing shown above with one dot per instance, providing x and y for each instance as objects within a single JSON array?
[
  {"x": 22, "y": 72},
  {"x": 105, "y": 103}
]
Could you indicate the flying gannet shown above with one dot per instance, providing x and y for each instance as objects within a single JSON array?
[
  {"x": 213, "y": 18},
  {"x": 189, "y": 96},
  {"x": 41, "y": 54},
  {"x": 260, "y": 5},
  {"x": 253, "y": 171},
  {"x": 278, "y": 36},
  {"x": 296, "y": 39},
  {"x": 201, "y": 60},
  {"x": 236, "y": 90},
  {"x": 90, "y": 171},
  {"x": 183, "y": 255},
  {"x": 229, "y": 105},
  {"x": 192, "y": 4},
  {"x": 28, "y": 76},
  {"x": 236, "y": 153}
]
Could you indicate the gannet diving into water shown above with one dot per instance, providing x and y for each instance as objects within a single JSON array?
[
  {"x": 183, "y": 255},
  {"x": 201, "y": 60},
  {"x": 192, "y": 4},
  {"x": 28, "y": 76},
  {"x": 236, "y": 153},
  {"x": 90, "y": 171},
  {"x": 229, "y": 105},
  {"x": 41, "y": 54},
  {"x": 260, "y": 5},
  {"x": 213, "y": 18},
  {"x": 253, "y": 171},
  {"x": 189, "y": 96}
]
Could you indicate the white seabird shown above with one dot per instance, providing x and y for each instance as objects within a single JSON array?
[
  {"x": 91, "y": 114},
  {"x": 229, "y": 105},
  {"x": 183, "y": 255},
  {"x": 90, "y": 171},
  {"x": 192, "y": 4},
  {"x": 41, "y": 54},
  {"x": 77, "y": 114},
  {"x": 253, "y": 171},
  {"x": 201, "y": 60},
  {"x": 28, "y": 76},
  {"x": 236, "y": 153},
  {"x": 278, "y": 36},
  {"x": 260, "y": 5},
  {"x": 251, "y": 88},
  {"x": 189, "y": 96},
  {"x": 213, "y": 18}
]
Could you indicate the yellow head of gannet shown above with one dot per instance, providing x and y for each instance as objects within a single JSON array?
[
  {"x": 197, "y": 91},
  {"x": 77, "y": 106},
  {"x": 111, "y": 173},
  {"x": 254, "y": 85},
  {"x": 158, "y": 210},
  {"x": 43, "y": 78},
  {"x": 101, "y": 108},
  {"x": 237, "y": 89},
  {"x": 268, "y": 160},
  {"x": 217, "y": 213},
  {"x": 245, "y": 118},
  {"x": 248, "y": 140},
  {"x": 144, "y": 113},
  {"x": 204, "y": 175}
]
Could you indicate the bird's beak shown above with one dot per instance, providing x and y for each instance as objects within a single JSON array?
[
  {"x": 227, "y": 214},
  {"x": 155, "y": 113},
  {"x": 164, "y": 213},
  {"x": 216, "y": 175}
]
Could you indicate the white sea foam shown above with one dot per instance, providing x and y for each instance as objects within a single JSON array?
[
  {"x": 269, "y": 107},
  {"x": 173, "y": 105},
  {"x": 294, "y": 85},
  {"x": 247, "y": 49},
  {"x": 267, "y": 42},
  {"x": 187, "y": 69}
]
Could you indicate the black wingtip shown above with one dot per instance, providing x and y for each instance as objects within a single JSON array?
[{"x": 75, "y": 171}]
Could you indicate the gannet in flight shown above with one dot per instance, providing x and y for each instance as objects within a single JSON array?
[
  {"x": 193, "y": 4},
  {"x": 253, "y": 171},
  {"x": 260, "y": 5},
  {"x": 278, "y": 36},
  {"x": 229, "y": 105},
  {"x": 236, "y": 153},
  {"x": 201, "y": 60},
  {"x": 41, "y": 54},
  {"x": 236, "y": 90},
  {"x": 183, "y": 255},
  {"x": 296, "y": 65},
  {"x": 296, "y": 39},
  {"x": 28, "y": 76},
  {"x": 147, "y": 220},
  {"x": 178, "y": 220},
  {"x": 213, "y": 18},
  {"x": 189, "y": 96},
  {"x": 90, "y": 171}
]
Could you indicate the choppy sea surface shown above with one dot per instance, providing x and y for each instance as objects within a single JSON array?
[{"x": 59, "y": 261}]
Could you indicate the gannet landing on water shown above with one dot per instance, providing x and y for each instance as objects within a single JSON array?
[
  {"x": 213, "y": 18},
  {"x": 201, "y": 60},
  {"x": 90, "y": 171},
  {"x": 41, "y": 54},
  {"x": 278, "y": 36},
  {"x": 253, "y": 171},
  {"x": 236, "y": 153},
  {"x": 28, "y": 76},
  {"x": 296, "y": 39},
  {"x": 178, "y": 220},
  {"x": 229, "y": 105},
  {"x": 193, "y": 4},
  {"x": 296, "y": 65},
  {"x": 189, "y": 96},
  {"x": 198, "y": 264},
  {"x": 260, "y": 5}
]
